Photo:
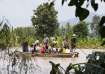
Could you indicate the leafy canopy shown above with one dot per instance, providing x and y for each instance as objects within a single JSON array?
[
  {"x": 26, "y": 33},
  {"x": 83, "y": 13},
  {"x": 4, "y": 35},
  {"x": 44, "y": 20},
  {"x": 81, "y": 30}
]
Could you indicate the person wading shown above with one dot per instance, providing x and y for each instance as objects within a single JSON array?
[
  {"x": 46, "y": 41},
  {"x": 73, "y": 42},
  {"x": 25, "y": 46}
]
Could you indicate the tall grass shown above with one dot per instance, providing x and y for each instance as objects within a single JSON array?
[{"x": 94, "y": 43}]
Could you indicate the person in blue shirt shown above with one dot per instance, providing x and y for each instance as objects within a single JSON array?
[{"x": 25, "y": 46}]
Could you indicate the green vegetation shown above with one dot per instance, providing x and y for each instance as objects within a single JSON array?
[
  {"x": 45, "y": 20},
  {"x": 90, "y": 43},
  {"x": 14, "y": 37},
  {"x": 10, "y": 37},
  {"x": 82, "y": 12},
  {"x": 26, "y": 33},
  {"x": 96, "y": 62},
  {"x": 81, "y": 30},
  {"x": 4, "y": 36}
]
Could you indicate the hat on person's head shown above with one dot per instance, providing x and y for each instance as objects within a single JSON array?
[
  {"x": 36, "y": 42},
  {"x": 74, "y": 35}
]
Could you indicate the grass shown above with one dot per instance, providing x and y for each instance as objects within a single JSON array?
[
  {"x": 90, "y": 43},
  {"x": 93, "y": 43}
]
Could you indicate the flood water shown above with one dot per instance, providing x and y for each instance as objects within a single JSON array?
[{"x": 42, "y": 65}]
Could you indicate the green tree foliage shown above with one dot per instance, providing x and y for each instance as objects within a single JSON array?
[
  {"x": 13, "y": 38},
  {"x": 26, "y": 33},
  {"x": 45, "y": 20},
  {"x": 102, "y": 29},
  {"x": 81, "y": 30},
  {"x": 96, "y": 19},
  {"x": 63, "y": 31},
  {"x": 94, "y": 26},
  {"x": 83, "y": 13},
  {"x": 69, "y": 30},
  {"x": 20, "y": 34},
  {"x": 4, "y": 36}
]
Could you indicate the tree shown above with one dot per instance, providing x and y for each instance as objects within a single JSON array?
[
  {"x": 94, "y": 26},
  {"x": 81, "y": 30},
  {"x": 26, "y": 33},
  {"x": 68, "y": 29},
  {"x": 13, "y": 38},
  {"x": 4, "y": 36},
  {"x": 96, "y": 65},
  {"x": 83, "y": 13},
  {"x": 45, "y": 20},
  {"x": 102, "y": 29}
]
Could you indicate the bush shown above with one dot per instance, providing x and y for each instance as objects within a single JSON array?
[{"x": 89, "y": 43}]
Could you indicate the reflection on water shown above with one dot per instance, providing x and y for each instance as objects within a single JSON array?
[
  {"x": 45, "y": 65},
  {"x": 43, "y": 62},
  {"x": 42, "y": 65}
]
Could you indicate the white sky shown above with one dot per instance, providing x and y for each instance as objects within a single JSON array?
[{"x": 19, "y": 12}]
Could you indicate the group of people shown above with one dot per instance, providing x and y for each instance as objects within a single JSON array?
[{"x": 50, "y": 45}]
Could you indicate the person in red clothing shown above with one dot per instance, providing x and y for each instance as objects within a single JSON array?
[{"x": 42, "y": 49}]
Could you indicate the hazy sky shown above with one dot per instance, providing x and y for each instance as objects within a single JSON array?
[{"x": 19, "y": 12}]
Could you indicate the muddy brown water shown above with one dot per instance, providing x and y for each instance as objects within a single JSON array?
[{"x": 42, "y": 65}]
